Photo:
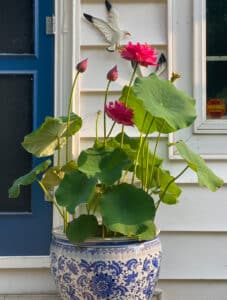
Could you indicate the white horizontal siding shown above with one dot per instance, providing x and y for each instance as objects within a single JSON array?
[
  {"x": 27, "y": 262},
  {"x": 194, "y": 255},
  {"x": 100, "y": 62},
  {"x": 198, "y": 210},
  {"x": 30, "y": 297},
  {"x": 132, "y": 17},
  {"x": 193, "y": 289},
  {"x": 26, "y": 281}
]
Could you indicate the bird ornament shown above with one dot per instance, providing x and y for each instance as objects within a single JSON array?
[{"x": 109, "y": 29}]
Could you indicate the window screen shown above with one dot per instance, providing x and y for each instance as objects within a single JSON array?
[
  {"x": 16, "y": 27},
  {"x": 16, "y": 102}
]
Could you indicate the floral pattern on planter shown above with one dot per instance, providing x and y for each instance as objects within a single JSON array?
[{"x": 117, "y": 271}]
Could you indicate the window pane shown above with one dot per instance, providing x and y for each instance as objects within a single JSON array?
[
  {"x": 16, "y": 26},
  {"x": 16, "y": 93},
  {"x": 216, "y": 89},
  {"x": 216, "y": 27},
  {"x": 216, "y": 24}
]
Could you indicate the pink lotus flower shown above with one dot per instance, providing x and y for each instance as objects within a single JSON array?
[
  {"x": 143, "y": 54},
  {"x": 82, "y": 66},
  {"x": 112, "y": 75},
  {"x": 119, "y": 113}
]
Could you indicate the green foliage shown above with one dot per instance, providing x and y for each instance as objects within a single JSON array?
[
  {"x": 74, "y": 124},
  {"x": 144, "y": 124},
  {"x": 52, "y": 177},
  {"x": 82, "y": 228},
  {"x": 51, "y": 135},
  {"x": 14, "y": 190},
  {"x": 76, "y": 188},
  {"x": 69, "y": 167},
  {"x": 169, "y": 190},
  {"x": 127, "y": 209},
  {"x": 206, "y": 176},
  {"x": 119, "y": 179},
  {"x": 104, "y": 164},
  {"x": 173, "y": 109}
]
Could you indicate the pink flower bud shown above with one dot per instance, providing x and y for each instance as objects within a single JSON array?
[
  {"x": 112, "y": 75},
  {"x": 82, "y": 66}
]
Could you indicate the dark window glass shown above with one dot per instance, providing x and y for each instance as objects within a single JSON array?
[
  {"x": 216, "y": 27},
  {"x": 216, "y": 24},
  {"x": 16, "y": 26},
  {"x": 217, "y": 79},
  {"x": 16, "y": 98}
]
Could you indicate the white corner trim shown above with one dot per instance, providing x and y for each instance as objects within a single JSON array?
[
  {"x": 24, "y": 262},
  {"x": 170, "y": 36}
]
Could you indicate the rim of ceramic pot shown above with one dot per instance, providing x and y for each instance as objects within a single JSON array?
[{"x": 59, "y": 235}]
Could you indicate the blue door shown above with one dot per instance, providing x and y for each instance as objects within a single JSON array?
[{"x": 26, "y": 97}]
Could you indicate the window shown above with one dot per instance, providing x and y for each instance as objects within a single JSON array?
[
  {"x": 216, "y": 59},
  {"x": 197, "y": 50}
]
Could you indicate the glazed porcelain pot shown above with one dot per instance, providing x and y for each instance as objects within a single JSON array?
[{"x": 105, "y": 269}]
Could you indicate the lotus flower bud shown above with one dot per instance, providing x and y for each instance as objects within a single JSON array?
[
  {"x": 82, "y": 66},
  {"x": 112, "y": 75},
  {"x": 174, "y": 77}
]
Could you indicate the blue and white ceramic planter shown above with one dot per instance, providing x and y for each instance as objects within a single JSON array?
[{"x": 105, "y": 269}]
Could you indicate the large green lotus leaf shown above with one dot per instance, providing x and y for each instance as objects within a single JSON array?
[
  {"x": 52, "y": 177},
  {"x": 131, "y": 145},
  {"x": 127, "y": 209},
  {"x": 206, "y": 177},
  {"x": 164, "y": 101},
  {"x": 74, "y": 189},
  {"x": 14, "y": 190},
  {"x": 150, "y": 123},
  {"x": 173, "y": 192},
  {"x": 104, "y": 164},
  {"x": 46, "y": 139},
  {"x": 139, "y": 111},
  {"x": 74, "y": 124},
  {"x": 82, "y": 228},
  {"x": 149, "y": 233}
]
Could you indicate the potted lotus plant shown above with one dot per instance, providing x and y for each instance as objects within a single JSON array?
[{"x": 112, "y": 250}]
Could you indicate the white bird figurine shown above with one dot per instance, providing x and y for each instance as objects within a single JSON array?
[{"x": 110, "y": 29}]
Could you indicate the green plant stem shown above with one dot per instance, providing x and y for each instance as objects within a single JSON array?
[
  {"x": 154, "y": 154},
  {"x": 49, "y": 197},
  {"x": 168, "y": 184},
  {"x": 141, "y": 144},
  {"x": 104, "y": 116},
  {"x": 68, "y": 114},
  {"x": 65, "y": 218},
  {"x": 103, "y": 231},
  {"x": 137, "y": 157},
  {"x": 96, "y": 126},
  {"x": 111, "y": 129},
  {"x": 59, "y": 154},
  {"x": 147, "y": 167},
  {"x": 126, "y": 100},
  {"x": 155, "y": 151}
]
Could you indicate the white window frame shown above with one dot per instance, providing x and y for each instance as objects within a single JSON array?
[
  {"x": 202, "y": 124},
  {"x": 207, "y": 137}
]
